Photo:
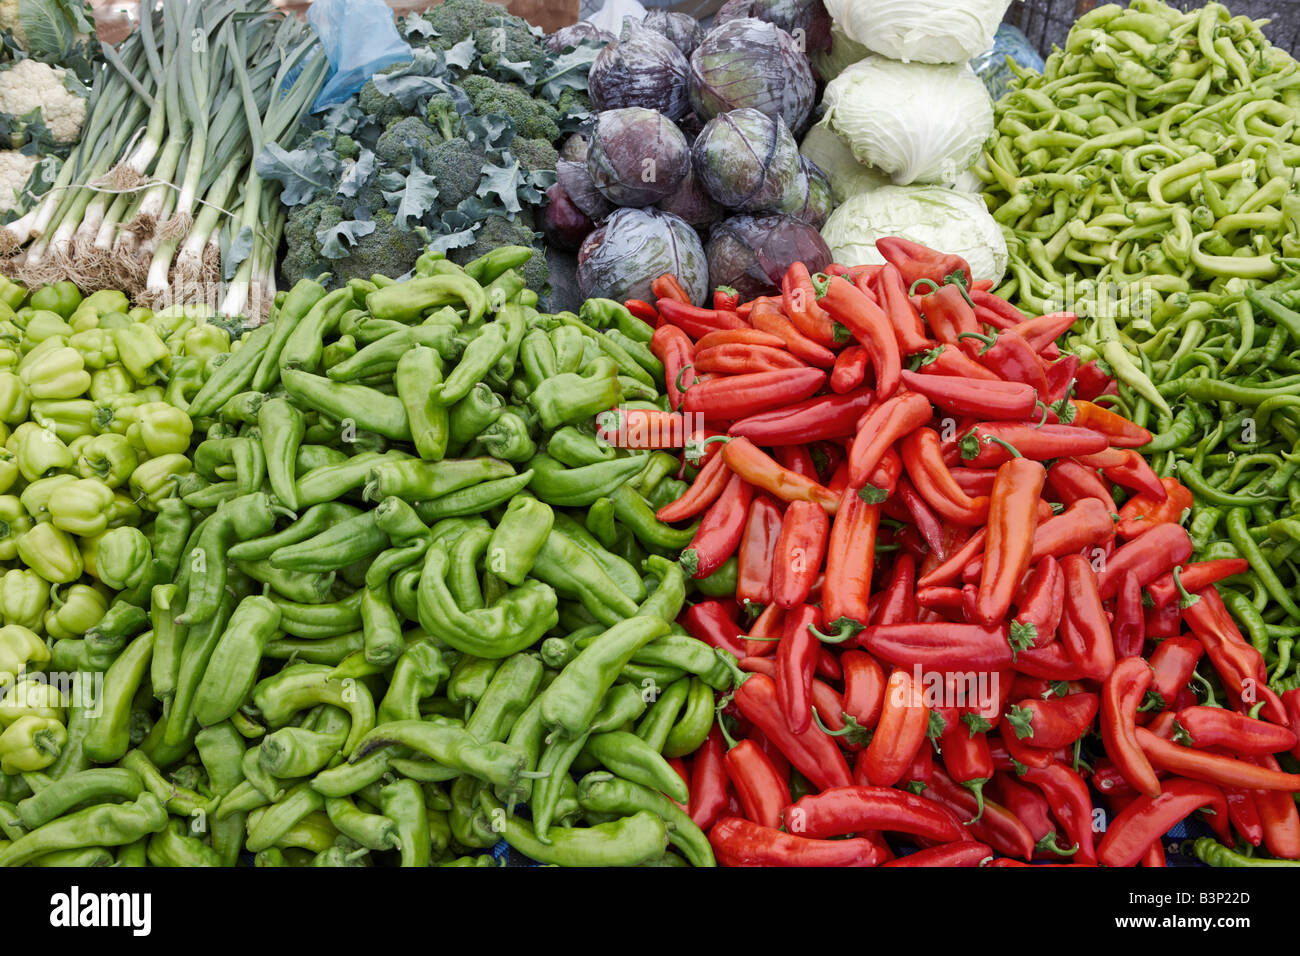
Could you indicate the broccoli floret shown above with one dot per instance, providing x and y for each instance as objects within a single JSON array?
[
  {"x": 456, "y": 167},
  {"x": 379, "y": 108},
  {"x": 303, "y": 258},
  {"x": 389, "y": 250},
  {"x": 397, "y": 143},
  {"x": 533, "y": 118},
  {"x": 496, "y": 33},
  {"x": 572, "y": 102},
  {"x": 440, "y": 113},
  {"x": 346, "y": 147},
  {"x": 496, "y": 232},
  {"x": 534, "y": 154}
]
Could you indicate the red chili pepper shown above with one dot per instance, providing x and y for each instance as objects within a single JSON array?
[
  {"x": 880, "y": 428},
  {"x": 1069, "y": 482},
  {"x": 947, "y": 361},
  {"x": 826, "y": 700},
  {"x": 1126, "y": 468},
  {"x": 1217, "y": 728},
  {"x": 796, "y": 458},
  {"x": 975, "y": 481},
  {"x": 900, "y": 732},
  {"x": 903, "y": 318},
  {"x": 1091, "y": 382},
  {"x": 763, "y": 792},
  {"x": 1060, "y": 379},
  {"x": 1121, "y": 432},
  {"x": 846, "y": 810},
  {"x": 800, "y": 547},
  {"x": 1142, "y": 512},
  {"x": 1239, "y": 665},
  {"x": 812, "y": 753},
  {"x": 708, "y": 784},
  {"x": 1163, "y": 622},
  {"x": 767, "y": 316},
  {"x": 710, "y": 622},
  {"x": 642, "y": 428},
  {"x": 703, "y": 492},
  {"x": 1278, "y": 816},
  {"x": 1082, "y": 524},
  {"x": 1071, "y": 804},
  {"x": 800, "y": 298},
  {"x": 951, "y": 568},
  {"x": 674, "y": 348},
  {"x": 1085, "y": 629},
  {"x": 1172, "y": 665},
  {"x": 698, "y": 322},
  {"x": 966, "y": 755},
  {"x": 864, "y": 687},
  {"x": 1032, "y": 809},
  {"x": 850, "y": 559},
  {"x": 725, "y": 297},
  {"x": 1212, "y": 767},
  {"x": 1053, "y": 723},
  {"x": 961, "y": 396},
  {"x": 1291, "y": 709},
  {"x": 738, "y": 842},
  {"x": 739, "y": 337},
  {"x": 739, "y": 396},
  {"x": 1147, "y": 819},
  {"x": 915, "y": 261},
  {"x": 1243, "y": 811},
  {"x": 868, "y": 324},
  {"x": 940, "y": 646},
  {"x": 850, "y": 369},
  {"x": 997, "y": 826},
  {"x": 948, "y": 314},
  {"x": 765, "y": 632},
  {"x": 666, "y": 286},
  {"x": 1040, "y": 603},
  {"x": 1012, "y": 519},
  {"x": 897, "y": 604},
  {"x": 736, "y": 359},
  {"x": 643, "y": 310},
  {"x": 1042, "y": 331},
  {"x": 967, "y": 854},
  {"x": 813, "y": 419},
  {"x": 979, "y": 449},
  {"x": 719, "y": 533},
  {"x": 923, "y": 459},
  {"x": 943, "y": 599},
  {"x": 1128, "y": 627},
  {"x": 1018, "y": 751},
  {"x": 1147, "y": 557},
  {"x": 1121, "y": 695},
  {"x": 1006, "y": 312},
  {"x": 1011, "y": 358},
  {"x": 745, "y": 459},
  {"x": 757, "y": 548}
]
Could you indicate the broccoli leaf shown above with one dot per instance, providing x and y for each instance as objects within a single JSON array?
[
  {"x": 409, "y": 89},
  {"x": 234, "y": 254},
  {"x": 462, "y": 54},
  {"x": 337, "y": 240},
  {"x": 535, "y": 184},
  {"x": 569, "y": 70},
  {"x": 489, "y": 130},
  {"x": 302, "y": 173},
  {"x": 504, "y": 182},
  {"x": 344, "y": 117},
  {"x": 452, "y": 240},
  {"x": 416, "y": 197},
  {"x": 357, "y": 174},
  {"x": 524, "y": 72},
  {"x": 37, "y": 138},
  {"x": 416, "y": 26}
]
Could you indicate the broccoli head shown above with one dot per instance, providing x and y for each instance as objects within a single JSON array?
[
  {"x": 572, "y": 102},
  {"x": 533, "y": 118},
  {"x": 401, "y": 139},
  {"x": 456, "y": 167},
  {"x": 534, "y": 154},
  {"x": 346, "y": 147},
  {"x": 441, "y": 114},
  {"x": 389, "y": 250},
  {"x": 496, "y": 33},
  {"x": 303, "y": 258},
  {"x": 379, "y": 108},
  {"x": 496, "y": 232}
]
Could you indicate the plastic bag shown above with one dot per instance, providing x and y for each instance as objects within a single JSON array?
[
  {"x": 610, "y": 16},
  {"x": 991, "y": 67},
  {"x": 360, "y": 39}
]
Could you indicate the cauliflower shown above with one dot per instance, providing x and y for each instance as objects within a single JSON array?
[
  {"x": 15, "y": 168},
  {"x": 29, "y": 85},
  {"x": 9, "y": 20}
]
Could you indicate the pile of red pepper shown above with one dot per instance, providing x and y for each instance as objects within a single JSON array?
[{"x": 937, "y": 604}]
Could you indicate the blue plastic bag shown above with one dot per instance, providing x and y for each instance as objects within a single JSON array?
[{"x": 360, "y": 39}]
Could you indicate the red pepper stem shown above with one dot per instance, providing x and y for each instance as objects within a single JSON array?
[
  {"x": 934, "y": 286},
  {"x": 995, "y": 440},
  {"x": 845, "y": 628},
  {"x": 678, "y": 383},
  {"x": 988, "y": 340},
  {"x": 1042, "y": 421},
  {"x": 1048, "y": 844},
  {"x": 729, "y": 661},
  {"x": 1185, "y": 600},
  {"x": 976, "y": 786}
]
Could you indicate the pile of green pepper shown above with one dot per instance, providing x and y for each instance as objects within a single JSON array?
[
  {"x": 403, "y": 592},
  {"x": 92, "y": 412},
  {"x": 1148, "y": 178}
]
